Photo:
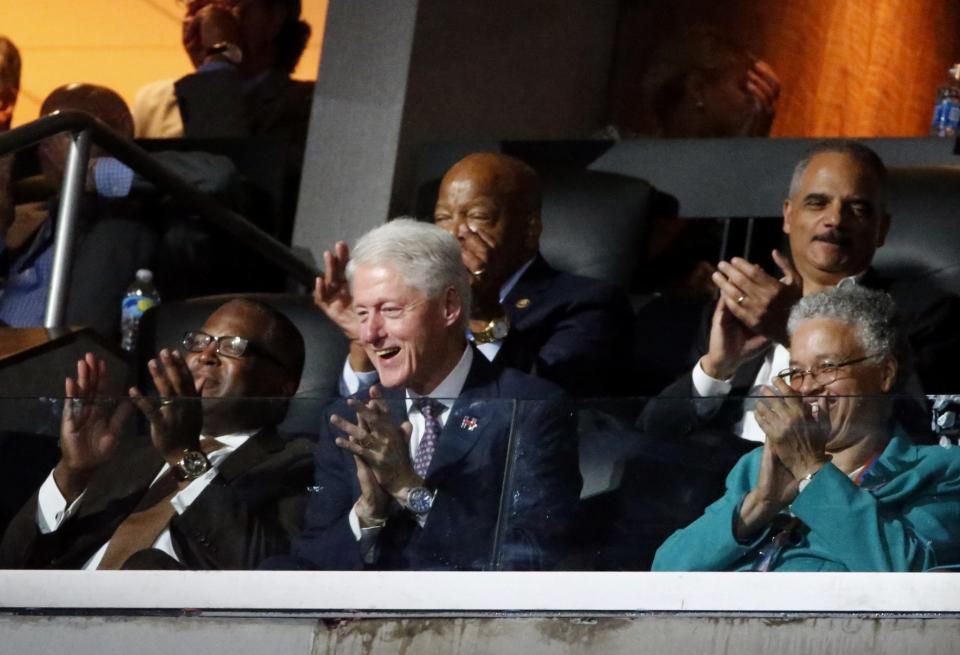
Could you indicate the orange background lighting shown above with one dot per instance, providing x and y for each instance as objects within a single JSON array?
[{"x": 121, "y": 44}]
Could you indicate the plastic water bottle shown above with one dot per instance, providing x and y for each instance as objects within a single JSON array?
[
  {"x": 946, "y": 111},
  {"x": 141, "y": 296}
]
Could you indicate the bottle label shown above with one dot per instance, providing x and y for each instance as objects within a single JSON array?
[
  {"x": 135, "y": 305},
  {"x": 946, "y": 117}
]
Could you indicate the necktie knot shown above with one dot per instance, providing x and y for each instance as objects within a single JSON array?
[{"x": 430, "y": 408}]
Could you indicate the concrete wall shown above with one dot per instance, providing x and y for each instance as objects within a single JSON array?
[{"x": 677, "y": 635}]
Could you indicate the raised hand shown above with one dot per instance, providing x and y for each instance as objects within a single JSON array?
[
  {"x": 731, "y": 343},
  {"x": 382, "y": 445},
  {"x": 797, "y": 432},
  {"x": 775, "y": 489},
  {"x": 207, "y": 23},
  {"x": 332, "y": 293},
  {"x": 763, "y": 85},
  {"x": 479, "y": 253},
  {"x": 371, "y": 507},
  {"x": 760, "y": 301},
  {"x": 177, "y": 416},
  {"x": 89, "y": 426}
]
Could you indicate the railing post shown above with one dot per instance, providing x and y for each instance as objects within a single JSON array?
[{"x": 71, "y": 193}]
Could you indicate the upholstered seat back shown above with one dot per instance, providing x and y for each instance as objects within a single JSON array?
[{"x": 922, "y": 250}]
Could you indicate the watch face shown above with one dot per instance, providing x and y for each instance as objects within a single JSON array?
[
  {"x": 420, "y": 500},
  {"x": 194, "y": 464}
]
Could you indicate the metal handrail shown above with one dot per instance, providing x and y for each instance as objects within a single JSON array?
[{"x": 83, "y": 130}]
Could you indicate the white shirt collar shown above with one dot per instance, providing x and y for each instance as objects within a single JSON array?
[
  {"x": 512, "y": 282},
  {"x": 452, "y": 385},
  {"x": 233, "y": 440},
  {"x": 851, "y": 279}
]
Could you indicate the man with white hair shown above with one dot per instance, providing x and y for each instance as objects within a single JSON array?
[
  {"x": 416, "y": 480},
  {"x": 837, "y": 485}
]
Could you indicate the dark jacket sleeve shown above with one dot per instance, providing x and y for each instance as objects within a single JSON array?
[{"x": 327, "y": 542}]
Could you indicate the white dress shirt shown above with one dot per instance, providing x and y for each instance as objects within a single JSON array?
[{"x": 53, "y": 511}]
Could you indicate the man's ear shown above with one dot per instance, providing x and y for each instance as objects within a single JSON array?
[
  {"x": 289, "y": 387},
  {"x": 888, "y": 374},
  {"x": 787, "y": 211},
  {"x": 452, "y": 307}
]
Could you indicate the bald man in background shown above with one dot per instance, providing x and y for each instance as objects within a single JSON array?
[
  {"x": 571, "y": 330},
  {"x": 110, "y": 243}
]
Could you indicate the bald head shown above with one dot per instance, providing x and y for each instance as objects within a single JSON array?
[
  {"x": 495, "y": 199},
  {"x": 98, "y": 101},
  {"x": 507, "y": 177}
]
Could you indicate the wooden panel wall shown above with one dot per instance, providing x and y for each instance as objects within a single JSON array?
[{"x": 848, "y": 67}]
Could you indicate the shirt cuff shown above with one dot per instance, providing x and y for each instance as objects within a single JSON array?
[
  {"x": 113, "y": 178},
  {"x": 704, "y": 385},
  {"x": 52, "y": 508},
  {"x": 366, "y": 537},
  {"x": 352, "y": 381}
]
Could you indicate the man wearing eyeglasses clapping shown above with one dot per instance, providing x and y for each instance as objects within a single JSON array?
[{"x": 213, "y": 487}]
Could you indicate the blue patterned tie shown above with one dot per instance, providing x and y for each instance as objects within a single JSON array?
[{"x": 431, "y": 410}]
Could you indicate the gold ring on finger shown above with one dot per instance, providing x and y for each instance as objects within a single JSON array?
[
  {"x": 741, "y": 299},
  {"x": 479, "y": 272},
  {"x": 166, "y": 401}
]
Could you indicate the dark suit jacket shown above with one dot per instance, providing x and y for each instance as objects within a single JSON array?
[
  {"x": 467, "y": 471},
  {"x": 933, "y": 343},
  {"x": 249, "y": 511},
  {"x": 573, "y": 331}
]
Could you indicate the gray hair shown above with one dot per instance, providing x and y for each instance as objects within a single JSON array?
[
  {"x": 873, "y": 313},
  {"x": 860, "y": 153},
  {"x": 427, "y": 257}
]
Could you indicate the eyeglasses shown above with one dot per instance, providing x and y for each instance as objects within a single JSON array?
[
  {"x": 196, "y": 342},
  {"x": 823, "y": 375}
]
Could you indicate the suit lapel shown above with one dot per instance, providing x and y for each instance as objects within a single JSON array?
[
  {"x": 522, "y": 301},
  {"x": 253, "y": 451},
  {"x": 469, "y": 418}
]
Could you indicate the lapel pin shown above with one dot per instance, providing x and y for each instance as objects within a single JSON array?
[
  {"x": 523, "y": 303},
  {"x": 469, "y": 423}
]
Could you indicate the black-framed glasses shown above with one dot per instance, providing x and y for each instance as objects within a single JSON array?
[
  {"x": 822, "y": 375},
  {"x": 196, "y": 341}
]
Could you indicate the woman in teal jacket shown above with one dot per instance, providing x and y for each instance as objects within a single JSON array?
[{"x": 831, "y": 489}]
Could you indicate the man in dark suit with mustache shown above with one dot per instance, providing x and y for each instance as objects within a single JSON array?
[
  {"x": 213, "y": 487},
  {"x": 415, "y": 476}
]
